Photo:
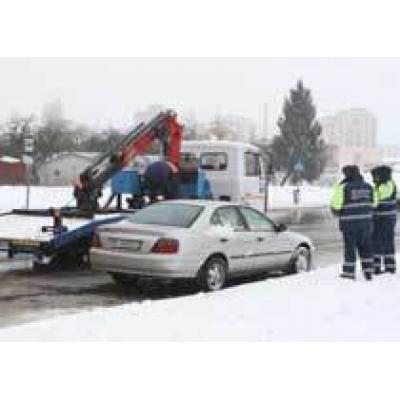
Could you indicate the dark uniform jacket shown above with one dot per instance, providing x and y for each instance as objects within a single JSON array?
[{"x": 352, "y": 202}]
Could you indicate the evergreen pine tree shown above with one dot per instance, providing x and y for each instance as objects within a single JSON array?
[{"x": 299, "y": 140}]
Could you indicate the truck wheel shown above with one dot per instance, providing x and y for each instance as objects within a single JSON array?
[
  {"x": 212, "y": 275},
  {"x": 39, "y": 266}
]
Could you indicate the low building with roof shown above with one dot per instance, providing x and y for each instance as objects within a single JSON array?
[
  {"x": 12, "y": 171},
  {"x": 63, "y": 168}
]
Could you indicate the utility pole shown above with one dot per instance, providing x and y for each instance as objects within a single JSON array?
[
  {"x": 268, "y": 173},
  {"x": 28, "y": 161},
  {"x": 298, "y": 170}
]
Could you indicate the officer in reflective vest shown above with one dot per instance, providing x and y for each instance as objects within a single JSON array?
[
  {"x": 352, "y": 202},
  {"x": 384, "y": 219}
]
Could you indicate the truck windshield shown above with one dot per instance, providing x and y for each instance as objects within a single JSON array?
[{"x": 175, "y": 215}]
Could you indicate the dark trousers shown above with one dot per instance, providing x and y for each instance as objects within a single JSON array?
[
  {"x": 384, "y": 242},
  {"x": 357, "y": 238}
]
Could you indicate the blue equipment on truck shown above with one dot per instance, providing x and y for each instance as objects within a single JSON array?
[{"x": 191, "y": 186}]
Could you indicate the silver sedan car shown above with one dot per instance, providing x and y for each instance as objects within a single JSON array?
[{"x": 207, "y": 241}]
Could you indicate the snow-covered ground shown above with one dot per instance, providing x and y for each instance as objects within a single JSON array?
[
  {"x": 318, "y": 306},
  {"x": 44, "y": 197},
  {"x": 40, "y": 197},
  {"x": 310, "y": 196},
  {"x": 29, "y": 227}
]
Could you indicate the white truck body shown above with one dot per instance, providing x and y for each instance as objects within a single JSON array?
[{"x": 234, "y": 169}]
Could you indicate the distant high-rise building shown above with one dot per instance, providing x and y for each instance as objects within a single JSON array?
[
  {"x": 351, "y": 136},
  {"x": 353, "y": 127}
]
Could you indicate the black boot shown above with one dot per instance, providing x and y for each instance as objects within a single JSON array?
[
  {"x": 368, "y": 275},
  {"x": 348, "y": 275},
  {"x": 377, "y": 271},
  {"x": 391, "y": 270}
]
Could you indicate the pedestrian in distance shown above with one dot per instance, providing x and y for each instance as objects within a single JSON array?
[
  {"x": 352, "y": 203},
  {"x": 384, "y": 220}
]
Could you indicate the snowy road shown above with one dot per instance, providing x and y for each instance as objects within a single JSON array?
[
  {"x": 316, "y": 306},
  {"x": 27, "y": 296}
]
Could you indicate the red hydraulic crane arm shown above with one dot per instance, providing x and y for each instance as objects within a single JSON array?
[
  {"x": 174, "y": 148},
  {"x": 136, "y": 148},
  {"x": 169, "y": 132}
]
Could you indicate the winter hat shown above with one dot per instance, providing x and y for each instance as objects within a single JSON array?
[
  {"x": 351, "y": 171},
  {"x": 386, "y": 173}
]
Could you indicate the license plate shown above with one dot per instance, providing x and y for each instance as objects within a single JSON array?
[{"x": 123, "y": 244}]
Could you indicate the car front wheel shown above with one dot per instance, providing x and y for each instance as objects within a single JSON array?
[
  {"x": 301, "y": 260},
  {"x": 212, "y": 275}
]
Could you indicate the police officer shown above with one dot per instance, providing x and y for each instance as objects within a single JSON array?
[
  {"x": 384, "y": 218},
  {"x": 352, "y": 202}
]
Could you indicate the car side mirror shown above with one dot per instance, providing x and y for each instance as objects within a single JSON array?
[{"x": 280, "y": 228}]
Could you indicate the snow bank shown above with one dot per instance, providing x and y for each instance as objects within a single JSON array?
[
  {"x": 310, "y": 196},
  {"x": 317, "y": 306},
  {"x": 45, "y": 197},
  {"x": 40, "y": 197}
]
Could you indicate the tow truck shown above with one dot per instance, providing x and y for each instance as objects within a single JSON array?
[
  {"x": 54, "y": 236},
  {"x": 206, "y": 169}
]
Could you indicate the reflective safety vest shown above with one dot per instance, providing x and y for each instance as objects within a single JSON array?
[
  {"x": 386, "y": 199},
  {"x": 353, "y": 201}
]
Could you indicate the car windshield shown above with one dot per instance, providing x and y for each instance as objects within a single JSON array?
[{"x": 176, "y": 215}]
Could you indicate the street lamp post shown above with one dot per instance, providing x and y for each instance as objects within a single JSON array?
[
  {"x": 28, "y": 161},
  {"x": 268, "y": 172}
]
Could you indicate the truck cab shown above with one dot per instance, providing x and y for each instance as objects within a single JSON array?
[{"x": 233, "y": 169}]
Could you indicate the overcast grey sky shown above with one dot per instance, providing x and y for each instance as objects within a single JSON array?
[{"x": 102, "y": 91}]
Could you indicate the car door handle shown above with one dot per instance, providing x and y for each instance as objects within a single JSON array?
[
  {"x": 260, "y": 239},
  {"x": 223, "y": 240}
]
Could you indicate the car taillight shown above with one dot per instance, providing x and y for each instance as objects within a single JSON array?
[
  {"x": 96, "y": 240},
  {"x": 166, "y": 246}
]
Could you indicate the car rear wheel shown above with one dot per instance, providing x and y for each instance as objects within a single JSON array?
[
  {"x": 212, "y": 275},
  {"x": 124, "y": 281},
  {"x": 301, "y": 260}
]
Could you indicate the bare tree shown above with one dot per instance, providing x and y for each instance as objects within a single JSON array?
[
  {"x": 219, "y": 128},
  {"x": 190, "y": 127},
  {"x": 55, "y": 133},
  {"x": 102, "y": 141},
  {"x": 150, "y": 112},
  {"x": 14, "y": 130}
]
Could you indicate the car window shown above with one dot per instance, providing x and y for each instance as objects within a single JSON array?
[
  {"x": 252, "y": 164},
  {"x": 228, "y": 216},
  {"x": 214, "y": 161},
  {"x": 175, "y": 215},
  {"x": 256, "y": 221}
]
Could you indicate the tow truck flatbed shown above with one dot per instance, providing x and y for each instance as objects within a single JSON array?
[{"x": 24, "y": 233}]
